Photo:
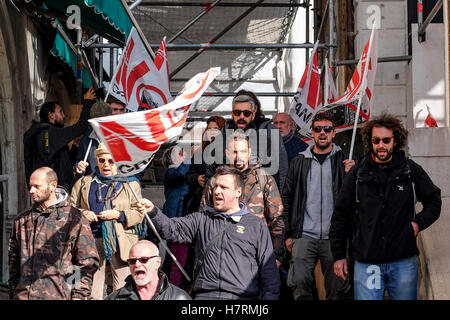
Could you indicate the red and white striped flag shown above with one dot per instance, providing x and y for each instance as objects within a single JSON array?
[
  {"x": 134, "y": 137},
  {"x": 307, "y": 99},
  {"x": 362, "y": 83},
  {"x": 138, "y": 82}
]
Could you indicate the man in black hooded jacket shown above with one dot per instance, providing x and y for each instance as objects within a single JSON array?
[
  {"x": 376, "y": 206},
  {"x": 45, "y": 143}
]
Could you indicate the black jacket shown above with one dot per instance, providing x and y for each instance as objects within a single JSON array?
[
  {"x": 242, "y": 262},
  {"x": 380, "y": 219},
  {"x": 294, "y": 192},
  {"x": 263, "y": 149},
  {"x": 165, "y": 291},
  {"x": 46, "y": 145}
]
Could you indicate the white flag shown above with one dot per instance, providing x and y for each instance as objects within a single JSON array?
[
  {"x": 134, "y": 137},
  {"x": 307, "y": 100},
  {"x": 138, "y": 82}
]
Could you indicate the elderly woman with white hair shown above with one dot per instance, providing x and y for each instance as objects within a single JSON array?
[{"x": 109, "y": 204}]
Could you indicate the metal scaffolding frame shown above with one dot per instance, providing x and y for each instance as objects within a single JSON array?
[{"x": 424, "y": 24}]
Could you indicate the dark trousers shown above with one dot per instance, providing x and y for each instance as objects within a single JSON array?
[{"x": 306, "y": 251}]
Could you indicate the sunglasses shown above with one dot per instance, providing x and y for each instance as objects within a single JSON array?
[
  {"x": 327, "y": 129},
  {"x": 247, "y": 113},
  {"x": 102, "y": 161},
  {"x": 142, "y": 260},
  {"x": 386, "y": 140}
]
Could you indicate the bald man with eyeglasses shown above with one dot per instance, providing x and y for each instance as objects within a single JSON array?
[{"x": 147, "y": 281}]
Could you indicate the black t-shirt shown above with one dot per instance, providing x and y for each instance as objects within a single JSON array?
[{"x": 320, "y": 156}]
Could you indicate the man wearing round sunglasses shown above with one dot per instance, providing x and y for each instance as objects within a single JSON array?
[
  {"x": 107, "y": 201},
  {"x": 312, "y": 185},
  {"x": 147, "y": 281},
  {"x": 377, "y": 206},
  {"x": 265, "y": 139}
]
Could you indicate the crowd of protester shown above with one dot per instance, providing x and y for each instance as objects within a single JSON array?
[{"x": 248, "y": 214}]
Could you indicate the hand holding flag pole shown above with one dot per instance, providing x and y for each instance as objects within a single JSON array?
[{"x": 152, "y": 226}]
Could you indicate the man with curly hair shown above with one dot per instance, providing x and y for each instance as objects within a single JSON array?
[{"x": 376, "y": 206}]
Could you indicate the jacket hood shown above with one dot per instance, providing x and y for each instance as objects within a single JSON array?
[
  {"x": 308, "y": 152},
  {"x": 61, "y": 197}
]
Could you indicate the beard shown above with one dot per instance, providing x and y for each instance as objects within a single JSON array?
[
  {"x": 42, "y": 198},
  {"x": 243, "y": 122},
  {"x": 385, "y": 157},
  {"x": 141, "y": 281}
]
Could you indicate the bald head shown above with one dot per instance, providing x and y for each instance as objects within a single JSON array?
[
  {"x": 283, "y": 121},
  {"x": 47, "y": 173},
  {"x": 145, "y": 245},
  {"x": 43, "y": 183}
]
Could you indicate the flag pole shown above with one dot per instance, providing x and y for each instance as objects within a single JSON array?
[
  {"x": 152, "y": 226},
  {"x": 363, "y": 87},
  {"x": 88, "y": 149}
]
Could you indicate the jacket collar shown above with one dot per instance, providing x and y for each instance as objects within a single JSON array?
[
  {"x": 61, "y": 201},
  {"x": 130, "y": 290},
  {"x": 236, "y": 216},
  {"x": 398, "y": 164},
  {"x": 308, "y": 152}
]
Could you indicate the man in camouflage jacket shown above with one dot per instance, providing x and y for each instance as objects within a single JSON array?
[
  {"x": 260, "y": 194},
  {"x": 52, "y": 253}
]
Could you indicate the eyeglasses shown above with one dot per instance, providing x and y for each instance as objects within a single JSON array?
[
  {"x": 102, "y": 161},
  {"x": 247, "y": 113},
  {"x": 142, "y": 260},
  {"x": 327, "y": 129},
  {"x": 386, "y": 140}
]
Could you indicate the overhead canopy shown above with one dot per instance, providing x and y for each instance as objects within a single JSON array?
[
  {"x": 108, "y": 18},
  {"x": 64, "y": 51}
]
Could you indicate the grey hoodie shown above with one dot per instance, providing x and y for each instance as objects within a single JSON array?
[{"x": 319, "y": 202}]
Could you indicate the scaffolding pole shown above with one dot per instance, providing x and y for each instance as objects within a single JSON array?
[
  {"x": 384, "y": 59},
  {"x": 224, "y": 4},
  {"x": 423, "y": 26},
  {"x": 224, "y": 46},
  {"x": 187, "y": 26},
  {"x": 332, "y": 32},
  {"x": 232, "y": 94},
  {"x": 217, "y": 37}
]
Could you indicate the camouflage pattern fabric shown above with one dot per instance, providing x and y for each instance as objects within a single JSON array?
[
  {"x": 52, "y": 254},
  {"x": 263, "y": 199}
]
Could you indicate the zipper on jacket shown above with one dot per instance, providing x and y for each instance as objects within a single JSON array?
[{"x": 220, "y": 261}]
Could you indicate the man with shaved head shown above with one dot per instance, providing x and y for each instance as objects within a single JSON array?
[
  {"x": 52, "y": 253},
  {"x": 147, "y": 281}
]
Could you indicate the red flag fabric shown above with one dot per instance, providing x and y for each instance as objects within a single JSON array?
[
  {"x": 430, "y": 121},
  {"x": 134, "y": 137}
]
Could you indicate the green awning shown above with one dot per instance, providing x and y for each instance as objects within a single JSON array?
[
  {"x": 62, "y": 50},
  {"x": 108, "y": 18}
]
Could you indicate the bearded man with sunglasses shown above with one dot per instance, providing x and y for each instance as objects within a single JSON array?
[
  {"x": 265, "y": 140},
  {"x": 376, "y": 206},
  {"x": 312, "y": 184}
]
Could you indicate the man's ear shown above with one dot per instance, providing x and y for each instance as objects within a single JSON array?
[
  {"x": 239, "y": 192},
  {"x": 53, "y": 186}
]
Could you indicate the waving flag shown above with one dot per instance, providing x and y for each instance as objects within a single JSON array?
[
  {"x": 430, "y": 121},
  {"x": 307, "y": 99},
  {"x": 161, "y": 62},
  {"x": 138, "y": 81},
  {"x": 362, "y": 82},
  {"x": 329, "y": 92},
  {"x": 134, "y": 137}
]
